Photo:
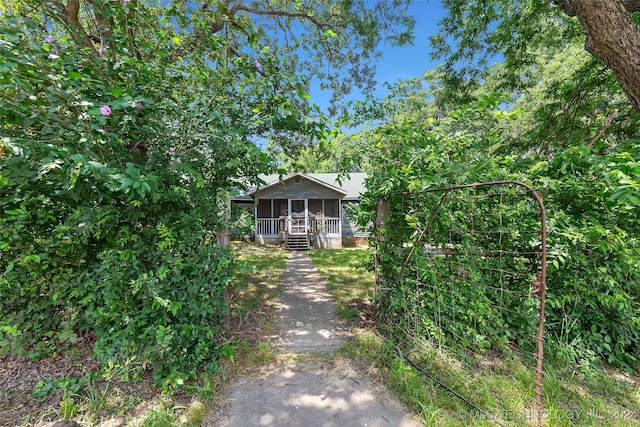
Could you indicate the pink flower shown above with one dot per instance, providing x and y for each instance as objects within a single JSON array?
[
  {"x": 105, "y": 110},
  {"x": 139, "y": 105},
  {"x": 48, "y": 39},
  {"x": 256, "y": 64}
]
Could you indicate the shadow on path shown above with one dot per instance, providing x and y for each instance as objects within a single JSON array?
[
  {"x": 307, "y": 321},
  {"x": 315, "y": 391}
]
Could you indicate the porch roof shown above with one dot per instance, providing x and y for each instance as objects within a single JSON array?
[{"x": 350, "y": 186}]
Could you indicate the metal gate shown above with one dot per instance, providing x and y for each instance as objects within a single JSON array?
[{"x": 465, "y": 266}]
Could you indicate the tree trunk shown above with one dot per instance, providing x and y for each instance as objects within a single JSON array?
[{"x": 614, "y": 38}]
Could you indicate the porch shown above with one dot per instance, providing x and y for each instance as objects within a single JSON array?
[
  {"x": 276, "y": 226},
  {"x": 301, "y": 223}
]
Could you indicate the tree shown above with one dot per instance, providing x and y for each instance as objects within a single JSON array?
[
  {"x": 335, "y": 42},
  {"x": 124, "y": 122},
  {"x": 517, "y": 29},
  {"x": 575, "y": 100},
  {"x": 420, "y": 101}
]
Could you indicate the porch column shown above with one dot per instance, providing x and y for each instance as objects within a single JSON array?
[
  {"x": 255, "y": 216},
  {"x": 340, "y": 216},
  {"x": 288, "y": 220}
]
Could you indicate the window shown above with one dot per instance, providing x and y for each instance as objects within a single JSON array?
[
  {"x": 315, "y": 206},
  {"x": 280, "y": 207},
  {"x": 331, "y": 208},
  {"x": 264, "y": 208},
  {"x": 297, "y": 180},
  {"x": 297, "y": 206}
]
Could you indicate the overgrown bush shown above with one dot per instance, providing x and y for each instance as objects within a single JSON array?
[
  {"x": 169, "y": 315},
  {"x": 113, "y": 166},
  {"x": 594, "y": 243},
  {"x": 591, "y": 196}
]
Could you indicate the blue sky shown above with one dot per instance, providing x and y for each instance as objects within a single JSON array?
[
  {"x": 401, "y": 63},
  {"x": 412, "y": 61}
]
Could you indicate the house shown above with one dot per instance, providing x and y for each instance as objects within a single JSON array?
[{"x": 305, "y": 210}]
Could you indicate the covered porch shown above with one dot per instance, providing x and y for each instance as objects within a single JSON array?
[{"x": 299, "y": 223}]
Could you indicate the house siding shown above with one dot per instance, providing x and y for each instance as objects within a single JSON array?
[
  {"x": 350, "y": 228},
  {"x": 303, "y": 190}
]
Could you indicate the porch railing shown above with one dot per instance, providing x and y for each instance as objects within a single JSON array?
[
  {"x": 268, "y": 226},
  {"x": 297, "y": 225},
  {"x": 271, "y": 226},
  {"x": 328, "y": 225}
]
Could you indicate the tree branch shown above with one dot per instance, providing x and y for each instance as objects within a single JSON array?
[
  {"x": 71, "y": 18},
  {"x": 230, "y": 13},
  {"x": 237, "y": 8},
  {"x": 104, "y": 27},
  {"x": 605, "y": 126},
  {"x": 568, "y": 7}
]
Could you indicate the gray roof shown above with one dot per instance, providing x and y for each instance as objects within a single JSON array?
[{"x": 351, "y": 184}]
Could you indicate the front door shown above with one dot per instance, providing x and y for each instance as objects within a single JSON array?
[{"x": 298, "y": 216}]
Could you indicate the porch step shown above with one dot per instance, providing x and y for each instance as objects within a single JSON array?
[{"x": 298, "y": 242}]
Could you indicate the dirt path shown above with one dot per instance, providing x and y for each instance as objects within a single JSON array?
[{"x": 309, "y": 389}]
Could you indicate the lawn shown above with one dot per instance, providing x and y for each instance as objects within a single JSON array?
[
  {"x": 347, "y": 278},
  {"x": 258, "y": 281}
]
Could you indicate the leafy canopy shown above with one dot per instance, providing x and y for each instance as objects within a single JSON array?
[{"x": 125, "y": 124}]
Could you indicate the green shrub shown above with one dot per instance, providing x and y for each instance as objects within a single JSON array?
[
  {"x": 112, "y": 167},
  {"x": 591, "y": 194}
]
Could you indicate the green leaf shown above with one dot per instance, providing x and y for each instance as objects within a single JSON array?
[
  {"x": 12, "y": 37},
  {"x": 634, "y": 200},
  {"x": 15, "y": 212},
  {"x": 329, "y": 34},
  {"x": 116, "y": 92},
  {"x": 28, "y": 121}
]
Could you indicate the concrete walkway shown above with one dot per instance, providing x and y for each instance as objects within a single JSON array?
[
  {"x": 311, "y": 390},
  {"x": 307, "y": 320}
]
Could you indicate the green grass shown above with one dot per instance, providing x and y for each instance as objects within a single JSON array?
[
  {"x": 499, "y": 384},
  {"x": 347, "y": 278},
  {"x": 259, "y": 287},
  {"x": 164, "y": 417}
]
